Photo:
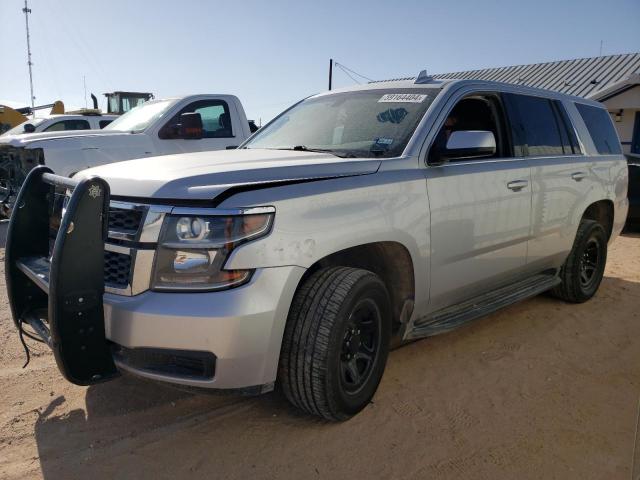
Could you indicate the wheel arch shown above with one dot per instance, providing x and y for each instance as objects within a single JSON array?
[
  {"x": 390, "y": 260},
  {"x": 602, "y": 212}
]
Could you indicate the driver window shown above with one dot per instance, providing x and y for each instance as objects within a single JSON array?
[
  {"x": 216, "y": 120},
  {"x": 477, "y": 112}
]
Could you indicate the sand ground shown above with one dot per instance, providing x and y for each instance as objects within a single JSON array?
[{"x": 542, "y": 389}]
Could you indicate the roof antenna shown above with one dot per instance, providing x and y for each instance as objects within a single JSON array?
[{"x": 423, "y": 77}]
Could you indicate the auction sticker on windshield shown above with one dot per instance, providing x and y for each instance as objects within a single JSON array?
[{"x": 402, "y": 97}]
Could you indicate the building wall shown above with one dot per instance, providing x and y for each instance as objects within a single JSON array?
[{"x": 629, "y": 103}]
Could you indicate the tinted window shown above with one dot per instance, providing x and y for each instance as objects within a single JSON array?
[
  {"x": 600, "y": 128},
  {"x": 68, "y": 125},
  {"x": 216, "y": 121},
  {"x": 569, "y": 139},
  {"x": 535, "y": 125},
  {"x": 104, "y": 123}
]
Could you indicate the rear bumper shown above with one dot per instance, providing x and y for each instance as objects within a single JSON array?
[
  {"x": 633, "y": 216},
  {"x": 241, "y": 327},
  {"x": 634, "y": 210},
  {"x": 621, "y": 209}
]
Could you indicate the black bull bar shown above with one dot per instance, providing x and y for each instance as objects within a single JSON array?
[{"x": 59, "y": 291}]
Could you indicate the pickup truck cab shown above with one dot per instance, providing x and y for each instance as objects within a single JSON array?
[
  {"x": 62, "y": 122},
  {"x": 150, "y": 130},
  {"x": 357, "y": 219}
]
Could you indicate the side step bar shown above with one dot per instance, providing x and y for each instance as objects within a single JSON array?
[
  {"x": 452, "y": 317},
  {"x": 60, "y": 293}
]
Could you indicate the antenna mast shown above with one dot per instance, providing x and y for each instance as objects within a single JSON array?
[{"x": 26, "y": 10}]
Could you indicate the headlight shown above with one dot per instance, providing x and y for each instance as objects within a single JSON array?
[{"x": 193, "y": 249}]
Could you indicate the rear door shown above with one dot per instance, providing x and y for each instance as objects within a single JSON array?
[
  {"x": 217, "y": 125},
  {"x": 561, "y": 175},
  {"x": 480, "y": 208}
]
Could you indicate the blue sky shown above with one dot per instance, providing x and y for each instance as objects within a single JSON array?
[{"x": 272, "y": 53}]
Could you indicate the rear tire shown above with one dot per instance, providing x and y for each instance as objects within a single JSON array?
[
  {"x": 583, "y": 270},
  {"x": 336, "y": 342}
]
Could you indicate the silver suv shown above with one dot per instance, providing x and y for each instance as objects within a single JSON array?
[{"x": 394, "y": 210}]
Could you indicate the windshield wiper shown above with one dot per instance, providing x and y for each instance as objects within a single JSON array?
[{"x": 304, "y": 148}]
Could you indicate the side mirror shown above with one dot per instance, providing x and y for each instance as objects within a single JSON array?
[
  {"x": 191, "y": 126},
  {"x": 29, "y": 128},
  {"x": 465, "y": 144}
]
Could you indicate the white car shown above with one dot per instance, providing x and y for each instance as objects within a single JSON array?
[
  {"x": 62, "y": 122},
  {"x": 193, "y": 123}
]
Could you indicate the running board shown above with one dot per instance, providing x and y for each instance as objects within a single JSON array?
[{"x": 452, "y": 317}]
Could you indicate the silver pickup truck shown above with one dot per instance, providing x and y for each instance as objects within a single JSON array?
[{"x": 357, "y": 219}]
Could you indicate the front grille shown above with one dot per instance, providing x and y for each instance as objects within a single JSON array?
[
  {"x": 124, "y": 220},
  {"x": 117, "y": 268},
  {"x": 175, "y": 363}
]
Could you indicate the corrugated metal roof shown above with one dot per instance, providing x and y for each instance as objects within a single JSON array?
[{"x": 582, "y": 77}]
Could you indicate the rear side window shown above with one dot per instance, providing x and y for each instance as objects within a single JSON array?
[
  {"x": 104, "y": 123},
  {"x": 600, "y": 128},
  {"x": 68, "y": 125},
  {"x": 536, "y": 126}
]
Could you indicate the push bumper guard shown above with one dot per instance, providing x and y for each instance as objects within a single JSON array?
[{"x": 59, "y": 294}]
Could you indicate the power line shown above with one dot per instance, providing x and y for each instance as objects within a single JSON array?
[
  {"x": 344, "y": 67},
  {"x": 347, "y": 73}
]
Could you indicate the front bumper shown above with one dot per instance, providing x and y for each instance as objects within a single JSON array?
[{"x": 242, "y": 327}]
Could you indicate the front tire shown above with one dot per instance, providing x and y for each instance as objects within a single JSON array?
[
  {"x": 583, "y": 270},
  {"x": 336, "y": 342}
]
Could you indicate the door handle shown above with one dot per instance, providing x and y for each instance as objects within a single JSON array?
[
  {"x": 578, "y": 176},
  {"x": 517, "y": 185},
  {"x": 231, "y": 147}
]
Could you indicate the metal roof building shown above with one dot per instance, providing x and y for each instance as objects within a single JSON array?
[
  {"x": 612, "y": 79},
  {"x": 583, "y": 77}
]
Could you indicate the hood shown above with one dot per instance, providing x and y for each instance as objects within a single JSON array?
[
  {"x": 204, "y": 175},
  {"x": 29, "y": 138}
]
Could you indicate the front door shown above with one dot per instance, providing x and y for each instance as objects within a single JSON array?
[{"x": 480, "y": 209}]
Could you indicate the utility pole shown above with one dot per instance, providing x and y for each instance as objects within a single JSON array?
[
  {"x": 26, "y": 10},
  {"x": 330, "y": 70}
]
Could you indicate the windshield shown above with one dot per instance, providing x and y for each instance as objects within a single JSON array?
[
  {"x": 19, "y": 130},
  {"x": 139, "y": 118},
  {"x": 370, "y": 123}
]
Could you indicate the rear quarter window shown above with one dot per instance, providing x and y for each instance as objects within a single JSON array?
[{"x": 600, "y": 127}]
